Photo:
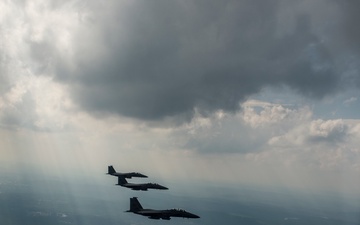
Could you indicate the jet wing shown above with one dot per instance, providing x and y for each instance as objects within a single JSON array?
[{"x": 155, "y": 214}]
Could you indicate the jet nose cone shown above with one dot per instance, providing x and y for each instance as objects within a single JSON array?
[
  {"x": 190, "y": 215},
  {"x": 160, "y": 187}
]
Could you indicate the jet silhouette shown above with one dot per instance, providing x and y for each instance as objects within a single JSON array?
[
  {"x": 135, "y": 207},
  {"x": 143, "y": 187},
  {"x": 112, "y": 171}
]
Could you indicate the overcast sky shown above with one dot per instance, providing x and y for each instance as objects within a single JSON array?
[{"x": 244, "y": 91}]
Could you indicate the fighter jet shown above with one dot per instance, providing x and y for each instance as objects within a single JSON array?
[
  {"x": 112, "y": 171},
  {"x": 135, "y": 207},
  {"x": 139, "y": 187}
]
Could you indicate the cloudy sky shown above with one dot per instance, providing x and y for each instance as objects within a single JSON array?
[{"x": 242, "y": 92}]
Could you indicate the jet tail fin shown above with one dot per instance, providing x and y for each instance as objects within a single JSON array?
[
  {"x": 135, "y": 205},
  {"x": 111, "y": 170},
  {"x": 121, "y": 180}
]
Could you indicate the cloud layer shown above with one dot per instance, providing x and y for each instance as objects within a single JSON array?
[
  {"x": 155, "y": 60},
  {"x": 276, "y": 136},
  {"x": 208, "y": 57},
  {"x": 159, "y": 60}
]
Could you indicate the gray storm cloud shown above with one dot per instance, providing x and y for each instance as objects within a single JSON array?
[
  {"x": 348, "y": 24},
  {"x": 160, "y": 59}
]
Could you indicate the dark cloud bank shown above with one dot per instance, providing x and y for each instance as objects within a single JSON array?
[{"x": 157, "y": 59}]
